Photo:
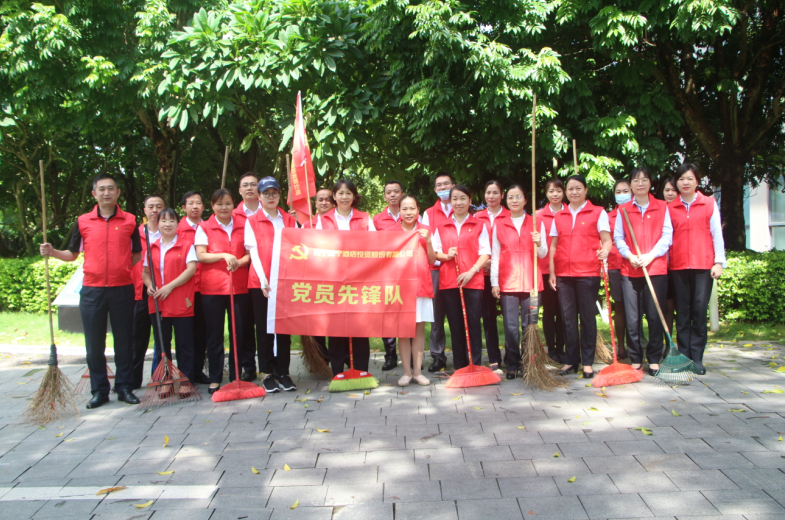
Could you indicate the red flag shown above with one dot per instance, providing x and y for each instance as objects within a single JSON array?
[{"x": 302, "y": 184}]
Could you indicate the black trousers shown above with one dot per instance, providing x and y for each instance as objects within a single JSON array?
[
  {"x": 692, "y": 290},
  {"x": 141, "y": 338},
  {"x": 390, "y": 346},
  {"x": 339, "y": 353},
  {"x": 200, "y": 334},
  {"x": 216, "y": 307},
  {"x": 184, "y": 341},
  {"x": 552, "y": 323},
  {"x": 618, "y": 294},
  {"x": 266, "y": 342},
  {"x": 95, "y": 303},
  {"x": 516, "y": 315},
  {"x": 438, "y": 338},
  {"x": 322, "y": 342},
  {"x": 577, "y": 295},
  {"x": 452, "y": 306},
  {"x": 638, "y": 301},
  {"x": 489, "y": 324}
]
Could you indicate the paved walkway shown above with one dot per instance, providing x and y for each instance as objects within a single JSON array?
[{"x": 501, "y": 452}]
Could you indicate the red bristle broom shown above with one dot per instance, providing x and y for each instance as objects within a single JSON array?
[
  {"x": 616, "y": 373},
  {"x": 237, "y": 389},
  {"x": 353, "y": 379},
  {"x": 83, "y": 386},
  {"x": 167, "y": 385},
  {"x": 472, "y": 375}
]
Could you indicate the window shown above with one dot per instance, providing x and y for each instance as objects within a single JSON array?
[{"x": 777, "y": 215}]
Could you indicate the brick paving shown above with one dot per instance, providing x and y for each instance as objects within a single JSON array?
[{"x": 502, "y": 451}]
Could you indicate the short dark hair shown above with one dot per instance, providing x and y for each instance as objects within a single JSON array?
[
  {"x": 623, "y": 180},
  {"x": 688, "y": 167},
  {"x": 577, "y": 178},
  {"x": 169, "y": 212},
  {"x": 443, "y": 174},
  {"x": 247, "y": 174},
  {"x": 555, "y": 182},
  {"x": 154, "y": 196},
  {"x": 189, "y": 194},
  {"x": 341, "y": 183},
  {"x": 394, "y": 182},
  {"x": 102, "y": 176},
  {"x": 219, "y": 194},
  {"x": 497, "y": 183},
  {"x": 463, "y": 189}
]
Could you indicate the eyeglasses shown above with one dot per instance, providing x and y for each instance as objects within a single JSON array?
[
  {"x": 515, "y": 197},
  {"x": 640, "y": 181},
  {"x": 443, "y": 185},
  {"x": 247, "y": 185},
  {"x": 271, "y": 195}
]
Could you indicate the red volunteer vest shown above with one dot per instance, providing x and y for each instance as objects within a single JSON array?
[
  {"x": 215, "y": 276},
  {"x": 180, "y": 302},
  {"x": 468, "y": 244},
  {"x": 424, "y": 282},
  {"x": 516, "y": 259},
  {"x": 435, "y": 219},
  {"x": 107, "y": 248},
  {"x": 545, "y": 216},
  {"x": 239, "y": 217},
  {"x": 264, "y": 232},
  {"x": 384, "y": 221},
  {"x": 483, "y": 217},
  {"x": 359, "y": 221},
  {"x": 186, "y": 233},
  {"x": 576, "y": 252},
  {"x": 648, "y": 230},
  {"x": 614, "y": 258},
  {"x": 693, "y": 247}
]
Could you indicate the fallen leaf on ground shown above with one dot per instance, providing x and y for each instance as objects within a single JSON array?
[
  {"x": 516, "y": 394},
  {"x": 676, "y": 414},
  {"x": 59, "y": 435},
  {"x": 286, "y": 467},
  {"x": 593, "y": 409},
  {"x": 301, "y": 400},
  {"x": 478, "y": 408},
  {"x": 775, "y": 391},
  {"x": 305, "y": 406},
  {"x": 737, "y": 410},
  {"x": 556, "y": 455},
  {"x": 69, "y": 440},
  {"x": 521, "y": 427},
  {"x": 208, "y": 421},
  {"x": 296, "y": 503},
  {"x": 165, "y": 472},
  {"x": 166, "y": 441},
  {"x": 645, "y": 431},
  {"x": 111, "y": 438},
  {"x": 588, "y": 385},
  {"x": 26, "y": 363},
  {"x": 352, "y": 395},
  {"x": 307, "y": 391},
  {"x": 146, "y": 504},
  {"x": 254, "y": 470},
  {"x": 367, "y": 392},
  {"x": 571, "y": 480},
  {"x": 601, "y": 394},
  {"x": 110, "y": 490},
  {"x": 322, "y": 431},
  {"x": 456, "y": 398},
  {"x": 780, "y": 438},
  {"x": 747, "y": 345},
  {"x": 745, "y": 393}
]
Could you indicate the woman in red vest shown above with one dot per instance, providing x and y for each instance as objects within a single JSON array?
[
  {"x": 345, "y": 217},
  {"x": 512, "y": 271},
  {"x": 670, "y": 193},
  {"x": 221, "y": 251},
  {"x": 174, "y": 267},
  {"x": 413, "y": 349},
  {"x": 466, "y": 238},
  {"x": 697, "y": 257},
  {"x": 494, "y": 193},
  {"x": 622, "y": 193},
  {"x": 552, "y": 323},
  {"x": 575, "y": 272},
  {"x": 651, "y": 224}
]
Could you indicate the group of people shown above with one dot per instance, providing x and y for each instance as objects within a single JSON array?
[{"x": 186, "y": 269}]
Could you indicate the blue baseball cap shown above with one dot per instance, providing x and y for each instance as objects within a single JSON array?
[{"x": 266, "y": 183}]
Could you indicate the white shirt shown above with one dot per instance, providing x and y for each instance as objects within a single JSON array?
[
  {"x": 620, "y": 229},
  {"x": 491, "y": 216},
  {"x": 715, "y": 228},
  {"x": 190, "y": 257},
  {"x": 485, "y": 241},
  {"x": 249, "y": 212},
  {"x": 154, "y": 235},
  {"x": 496, "y": 248},
  {"x": 193, "y": 224},
  {"x": 602, "y": 222},
  {"x": 200, "y": 239},
  {"x": 343, "y": 222},
  {"x": 252, "y": 246}
]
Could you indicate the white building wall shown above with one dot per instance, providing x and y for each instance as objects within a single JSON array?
[{"x": 758, "y": 231}]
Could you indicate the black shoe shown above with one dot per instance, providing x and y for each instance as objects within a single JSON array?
[
  {"x": 270, "y": 385},
  {"x": 389, "y": 364},
  {"x": 127, "y": 396},
  {"x": 588, "y": 375},
  {"x": 699, "y": 369},
  {"x": 652, "y": 372},
  {"x": 97, "y": 400},
  {"x": 510, "y": 375},
  {"x": 286, "y": 383},
  {"x": 566, "y": 371},
  {"x": 202, "y": 379},
  {"x": 436, "y": 366},
  {"x": 248, "y": 376},
  {"x": 211, "y": 390}
]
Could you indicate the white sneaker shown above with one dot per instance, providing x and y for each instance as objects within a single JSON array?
[
  {"x": 404, "y": 381},
  {"x": 422, "y": 380}
]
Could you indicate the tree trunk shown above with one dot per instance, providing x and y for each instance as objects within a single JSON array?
[{"x": 731, "y": 170}]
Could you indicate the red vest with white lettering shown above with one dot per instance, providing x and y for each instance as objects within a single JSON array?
[
  {"x": 576, "y": 252},
  {"x": 384, "y": 221},
  {"x": 136, "y": 272},
  {"x": 435, "y": 219},
  {"x": 264, "y": 232},
  {"x": 180, "y": 302},
  {"x": 468, "y": 244},
  {"x": 187, "y": 233},
  {"x": 614, "y": 257},
  {"x": 359, "y": 221},
  {"x": 108, "y": 256},
  {"x": 545, "y": 216},
  {"x": 215, "y": 276},
  {"x": 424, "y": 282},
  {"x": 516, "y": 258},
  {"x": 648, "y": 230},
  {"x": 693, "y": 246}
]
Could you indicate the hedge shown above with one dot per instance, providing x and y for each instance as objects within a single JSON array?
[{"x": 23, "y": 282}]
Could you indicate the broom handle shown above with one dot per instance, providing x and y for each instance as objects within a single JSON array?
[
  {"x": 465, "y": 319},
  {"x": 226, "y": 163},
  {"x": 46, "y": 266},
  {"x": 646, "y": 273},
  {"x": 155, "y": 300},
  {"x": 534, "y": 185},
  {"x": 351, "y": 355},
  {"x": 608, "y": 304},
  {"x": 234, "y": 326}
]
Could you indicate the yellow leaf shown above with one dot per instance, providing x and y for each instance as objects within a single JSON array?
[
  {"x": 780, "y": 438},
  {"x": 775, "y": 391},
  {"x": 580, "y": 376},
  {"x": 146, "y": 504},
  {"x": 165, "y": 472},
  {"x": 269, "y": 411},
  {"x": 745, "y": 393},
  {"x": 585, "y": 423},
  {"x": 521, "y": 427},
  {"x": 70, "y": 440},
  {"x": 644, "y": 402},
  {"x": 367, "y": 392},
  {"x": 780, "y": 369},
  {"x": 254, "y": 470},
  {"x": 353, "y": 395},
  {"x": 588, "y": 385},
  {"x": 322, "y": 431},
  {"x": 571, "y": 480},
  {"x": 166, "y": 440},
  {"x": 26, "y": 363},
  {"x": 645, "y": 431},
  {"x": 307, "y": 391},
  {"x": 110, "y": 490},
  {"x": 748, "y": 345},
  {"x": 556, "y": 455},
  {"x": 676, "y": 414},
  {"x": 111, "y": 438},
  {"x": 456, "y": 398},
  {"x": 737, "y": 410},
  {"x": 593, "y": 409},
  {"x": 301, "y": 400},
  {"x": 59, "y": 435},
  {"x": 601, "y": 394},
  {"x": 516, "y": 394},
  {"x": 478, "y": 408},
  {"x": 208, "y": 421},
  {"x": 296, "y": 503},
  {"x": 305, "y": 406},
  {"x": 286, "y": 467}
]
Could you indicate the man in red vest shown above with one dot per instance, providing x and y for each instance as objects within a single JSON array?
[
  {"x": 247, "y": 208},
  {"x": 111, "y": 244}
]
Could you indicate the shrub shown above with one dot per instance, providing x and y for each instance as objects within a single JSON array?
[
  {"x": 752, "y": 288},
  {"x": 23, "y": 282}
]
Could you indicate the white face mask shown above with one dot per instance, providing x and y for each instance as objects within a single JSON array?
[
  {"x": 622, "y": 198},
  {"x": 444, "y": 195}
]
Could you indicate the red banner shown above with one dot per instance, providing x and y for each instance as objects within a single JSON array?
[
  {"x": 343, "y": 283},
  {"x": 302, "y": 182}
]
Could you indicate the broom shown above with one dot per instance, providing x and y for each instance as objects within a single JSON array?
[
  {"x": 353, "y": 379},
  {"x": 676, "y": 368},
  {"x": 601, "y": 352},
  {"x": 472, "y": 375},
  {"x": 167, "y": 385},
  {"x": 237, "y": 389},
  {"x": 55, "y": 397},
  {"x": 83, "y": 387},
  {"x": 616, "y": 373},
  {"x": 313, "y": 358}
]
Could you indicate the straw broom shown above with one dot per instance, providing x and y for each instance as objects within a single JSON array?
[
  {"x": 535, "y": 360},
  {"x": 55, "y": 397}
]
